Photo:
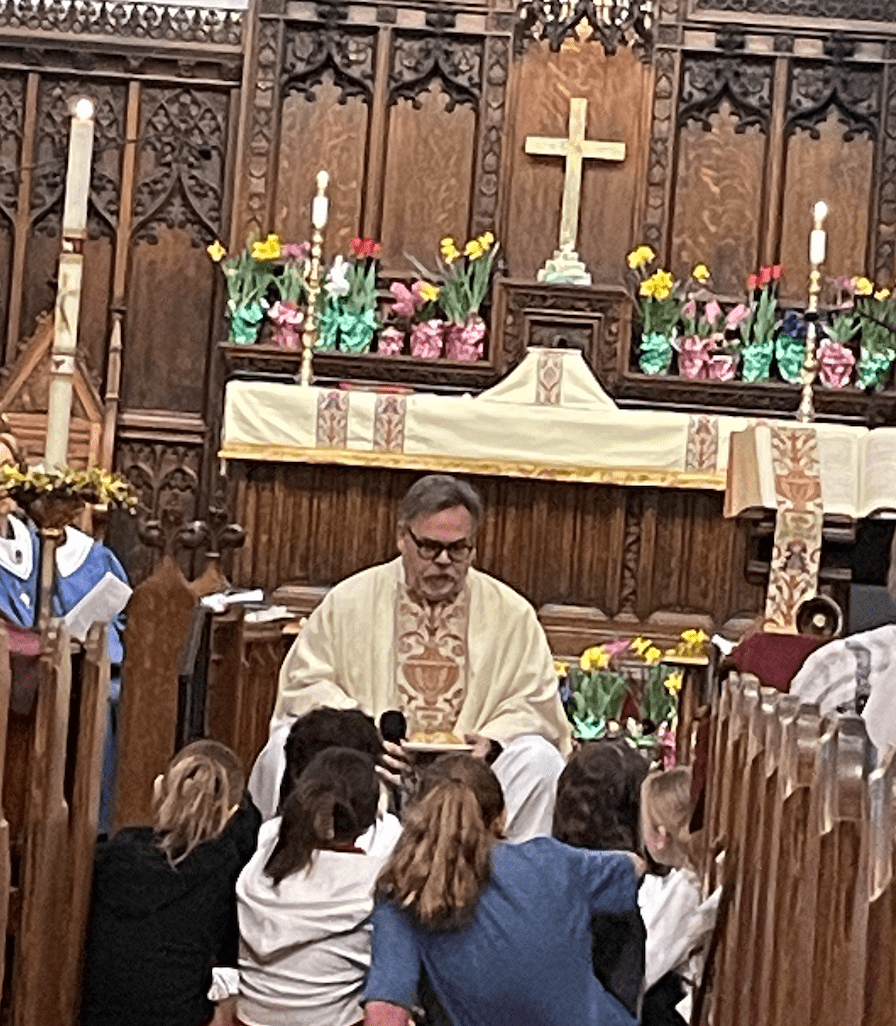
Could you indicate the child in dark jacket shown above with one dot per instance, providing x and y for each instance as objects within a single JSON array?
[{"x": 164, "y": 902}]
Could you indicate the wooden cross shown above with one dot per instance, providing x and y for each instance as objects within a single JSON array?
[{"x": 575, "y": 148}]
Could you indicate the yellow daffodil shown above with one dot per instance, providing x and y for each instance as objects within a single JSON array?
[
  {"x": 216, "y": 251},
  {"x": 486, "y": 240},
  {"x": 594, "y": 658},
  {"x": 561, "y": 668},
  {"x": 639, "y": 257},
  {"x": 473, "y": 249},
  {"x": 882, "y": 294},
  {"x": 674, "y": 682},
  {"x": 694, "y": 638},
  {"x": 652, "y": 655},
  {"x": 700, "y": 273},
  {"x": 449, "y": 250},
  {"x": 862, "y": 286},
  {"x": 428, "y": 292},
  {"x": 640, "y": 645},
  {"x": 658, "y": 286},
  {"x": 267, "y": 250}
]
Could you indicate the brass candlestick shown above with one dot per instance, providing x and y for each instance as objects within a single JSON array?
[
  {"x": 817, "y": 240},
  {"x": 319, "y": 212}
]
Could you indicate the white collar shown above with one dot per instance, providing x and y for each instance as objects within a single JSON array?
[
  {"x": 72, "y": 552},
  {"x": 17, "y": 553}
]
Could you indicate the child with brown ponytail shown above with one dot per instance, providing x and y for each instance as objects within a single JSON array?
[
  {"x": 501, "y": 932},
  {"x": 164, "y": 907},
  {"x": 306, "y": 897}
]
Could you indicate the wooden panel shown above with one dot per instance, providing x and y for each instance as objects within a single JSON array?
[
  {"x": 623, "y": 551},
  {"x": 96, "y": 297},
  {"x": 718, "y": 194},
  {"x": 168, "y": 324},
  {"x": 618, "y": 91},
  {"x": 325, "y": 133},
  {"x": 429, "y": 175},
  {"x": 839, "y": 172}
]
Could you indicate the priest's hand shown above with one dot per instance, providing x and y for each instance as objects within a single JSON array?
[
  {"x": 393, "y": 763},
  {"x": 483, "y": 747}
]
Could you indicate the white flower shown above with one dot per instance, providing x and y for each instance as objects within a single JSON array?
[{"x": 337, "y": 283}]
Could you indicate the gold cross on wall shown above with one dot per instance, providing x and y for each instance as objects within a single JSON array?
[{"x": 575, "y": 148}]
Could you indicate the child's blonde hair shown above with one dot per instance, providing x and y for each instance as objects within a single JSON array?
[
  {"x": 442, "y": 860},
  {"x": 666, "y": 805},
  {"x": 196, "y": 797}
]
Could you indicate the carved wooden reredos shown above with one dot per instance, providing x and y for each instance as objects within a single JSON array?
[{"x": 736, "y": 115}]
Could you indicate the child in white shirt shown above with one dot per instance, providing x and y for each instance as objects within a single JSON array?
[{"x": 678, "y": 923}]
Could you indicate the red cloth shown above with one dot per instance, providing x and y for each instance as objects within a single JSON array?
[{"x": 775, "y": 658}]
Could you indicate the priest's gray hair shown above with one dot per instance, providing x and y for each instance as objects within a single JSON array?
[{"x": 435, "y": 492}]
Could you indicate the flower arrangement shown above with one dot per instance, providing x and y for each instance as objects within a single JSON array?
[
  {"x": 249, "y": 275},
  {"x": 52, "y": 496},
  {"x": 348, "y": 306},
  {"x": 627, "y": 675}
]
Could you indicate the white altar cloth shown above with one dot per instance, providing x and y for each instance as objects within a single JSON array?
[{"x": 548, "y": 419}]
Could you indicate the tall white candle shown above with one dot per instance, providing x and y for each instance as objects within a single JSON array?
[
  {"x": 320, "y": 206},
  {"x": 68, "y": 291},
  {"x": 818, "y": 237}
]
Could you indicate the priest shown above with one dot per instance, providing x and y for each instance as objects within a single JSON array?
[{"x": 460, "y": 654}]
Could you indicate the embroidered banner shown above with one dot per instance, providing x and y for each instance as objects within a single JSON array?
[
  {"x": 796, "y": 550},
  {"x": 702, "y": 451},
  {"x": 388, "y": 423},
  {"x": 549, "y": 377},
  {"x": 332, "y": 419}
]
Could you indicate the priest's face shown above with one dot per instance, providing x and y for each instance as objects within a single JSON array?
[{"x": 437, "y": 550}]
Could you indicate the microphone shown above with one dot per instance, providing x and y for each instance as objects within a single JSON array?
[{"x": 393, "y": 726}]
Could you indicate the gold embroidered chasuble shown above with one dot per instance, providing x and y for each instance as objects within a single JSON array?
[
  {"x": 431, "y": 659},
  {"x": 481, "y": 666}
]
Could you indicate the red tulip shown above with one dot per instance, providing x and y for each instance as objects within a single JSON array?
[
  {"x": 765, "y": 275},
  {"x": 356, "y": 245},
  {"x": 753, "y": 283},
  {"x": 776, "y": 272}
]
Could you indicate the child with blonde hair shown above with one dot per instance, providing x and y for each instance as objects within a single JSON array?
[
  {"x": 306, "y": 897},
  {"x": 164, "y": 907},
  {"x": 501, "y": 932},
  {"x": 677, "y": 921}
]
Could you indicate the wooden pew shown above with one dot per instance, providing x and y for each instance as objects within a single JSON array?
[{"x": 49, "y": 898}]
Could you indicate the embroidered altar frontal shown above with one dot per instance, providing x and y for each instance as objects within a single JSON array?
[{"x": 548, "y": 419}]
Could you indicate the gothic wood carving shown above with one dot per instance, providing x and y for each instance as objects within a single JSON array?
[
  {"x": 708, "y": 82},
  {"x": 852, "y": 91},
  {"x": 182, "y": 161},
  {"x": 260, "y": 128},
  {"x": 854, "y": 10},
  {"x": 54, "y": 121},
  {"x": 885, "y": 241},
  {"x": 491, "y": 128},
  {"x": 454, "y": 62},
  {"x": 659, "y": 158},
  {"x": 612, "y": 25},
  {"x": 157, "y": 22},
  {"x": 12, "y": 105},
  {"x": 165, "y": 477},
  {"x": 310, "y": 53}
]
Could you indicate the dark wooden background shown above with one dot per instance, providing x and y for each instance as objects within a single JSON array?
[{"x": 737, "y": 117}]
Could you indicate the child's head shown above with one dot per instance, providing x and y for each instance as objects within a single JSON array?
[
  {"x": 334, "y": 801},
  {"x": 196, "y": 796},
  {"x": 321, "y": 729},
  {"x": 443, "y": 858},
  {"x": 598, "y": 797},
  {"x": 666, "y": 815}
]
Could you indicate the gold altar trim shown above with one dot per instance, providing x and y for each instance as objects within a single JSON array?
[{"x": 653, "y": 477}]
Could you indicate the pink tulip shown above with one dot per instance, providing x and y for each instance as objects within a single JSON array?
[
  {"x": 736, "y": 315},
  {"x": 712, "y": 311},
  {"x": 407, "y": 302}
]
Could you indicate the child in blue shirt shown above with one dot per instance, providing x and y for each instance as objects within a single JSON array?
[{"x": 502, "y": 931}]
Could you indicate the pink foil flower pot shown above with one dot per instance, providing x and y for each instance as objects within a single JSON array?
[
  {"x": 463, "y": 342},
  {"x": 288, "y": 320},
  {"x": 721, "y": 367},
  {"x": 693, "y": 356},
  {"x": 835, "y": 364},
  {"x": 426, "y": 340},
  {"x": 390, "y": 342}
]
